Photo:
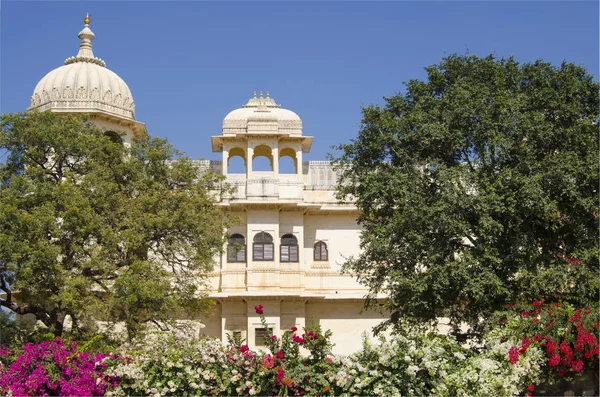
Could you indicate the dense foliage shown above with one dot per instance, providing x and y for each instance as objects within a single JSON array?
[
  {"x": 478, "y": 187},
  {"x": 96, "y": 230}
]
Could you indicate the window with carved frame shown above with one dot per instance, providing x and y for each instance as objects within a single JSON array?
[
  {"x": 262, "y": 248},
  {"x": 320, "y": 251},
  {"x": 236, "y": 248},
  {"x": 288, "y": 250}
]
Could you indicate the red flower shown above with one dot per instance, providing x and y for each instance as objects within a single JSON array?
[
  {"x": 538, "y": 337},
  {"x": 562, "y": 372},
  {"x": 244, "y": 348},
  {"x": 525, "y": 343},
  {"x": 513, "y": 355},
  {"x": 305, "y": 364},
  {"x": 576, "y": 316},
  {"x": 525, "y": 314},
  {"x": 294, "y": 329},
  {"x": 554, "y": 360},
  {"x": 566, "y": 350},
  {"x": 577, "y": 366},
  {"x": 259, "y": 309},
  {"x": 280, "y": 375},
  {"x": 531, "y": 388},
  {"x": 274, "y": 338},
  {"x": 537, "y": 303},
  {"x": 280, "y": 355}
]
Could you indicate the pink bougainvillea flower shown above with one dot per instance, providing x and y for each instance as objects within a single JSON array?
[
  {"x": 537, "y": 303},
  {"x": 274, "y": 338},
  {"x": 531, "y": 387},
  {"x": 259, "y": 309},
  {"x": 280, "y": 355},
  {"x": 294, "y": 329},
  {"x": 244, "y": 348}
]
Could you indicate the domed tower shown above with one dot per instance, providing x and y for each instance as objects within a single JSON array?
[
  {"x": 261, "y": 128},
  {"x": 85, "y": 85}
]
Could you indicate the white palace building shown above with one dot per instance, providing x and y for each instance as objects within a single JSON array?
[{"x": 293, "y": 234}]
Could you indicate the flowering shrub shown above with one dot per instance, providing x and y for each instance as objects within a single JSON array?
[
  {"x": 416, "y": 361},
  {"x": 55, "y": 368},
  {"x": 512, "y": 360},
  {"x": 491, "y": 372},
  {"x": 568, "y": 337},
  {"x": 169, "y": 364}
]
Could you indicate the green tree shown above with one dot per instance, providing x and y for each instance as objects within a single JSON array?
[
  {"x": 477, "y": 188},
  {"x": 97, "y": 230}
]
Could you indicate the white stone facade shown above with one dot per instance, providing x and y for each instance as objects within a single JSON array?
[
  {"x": 291, "y": 234},
  {"x": 296, "y": 275}
]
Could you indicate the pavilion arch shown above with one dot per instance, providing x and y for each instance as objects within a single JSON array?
[
  {"x": 284, "y": 163},
  {"x": 262, "y": 151},
  {"x": 236, "y": 166}
]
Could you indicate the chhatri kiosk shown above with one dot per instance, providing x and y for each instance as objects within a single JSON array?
[{"x": 291, "y": 234}]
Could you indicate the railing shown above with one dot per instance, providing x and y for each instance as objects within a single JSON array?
[{"x": 316, "y": 175}]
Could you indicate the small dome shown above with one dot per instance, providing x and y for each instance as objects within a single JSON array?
[
  {"x": 84, "y": 84},
  {"x": 262, "y": 115}
]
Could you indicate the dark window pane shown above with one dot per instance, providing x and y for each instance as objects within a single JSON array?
[
  {"x": 241, "y": 255},
  {"x": 261, "y": 335},
  {"x": 285, "y": 253},
  {"x": 258, "y": 252},
  {"x": 268, "y": 252},
  {"x": 293, "y": 253}
]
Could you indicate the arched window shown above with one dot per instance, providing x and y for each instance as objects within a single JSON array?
[
  {"x": 113, "y": 136},
  {"x": 236, "y": 248},
  {"x": 320, "y": 252},
  {"x": 262, "y": 249},
  {"x": 236, "y": 162},
  {"x": 288, "y": 250}
]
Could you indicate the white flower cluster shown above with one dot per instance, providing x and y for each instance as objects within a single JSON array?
[{"x": 416, "y": 362}]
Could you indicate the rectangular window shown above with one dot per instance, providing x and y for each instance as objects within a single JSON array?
[
  {"x": 269, "y": 252},
  {"x": 289, "y": 253},
  {"x": 261, "y": 335},
  {"x": 236, "y": 253},
  {"x": 262, "y": 251}
]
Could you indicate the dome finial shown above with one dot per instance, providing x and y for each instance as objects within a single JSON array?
[
  {"x": 85, "y": 53},
  {"x": 261, "y": 94},
  {"x": 254, "y": 94},
  {"x": 268, "y": 95}
]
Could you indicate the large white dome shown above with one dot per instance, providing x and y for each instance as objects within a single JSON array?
[
  {"x": 84, "y": 84},
  {"x": 262, "y": 115}
]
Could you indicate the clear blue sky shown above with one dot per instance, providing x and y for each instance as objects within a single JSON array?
[{"x": 189, "y": 63}]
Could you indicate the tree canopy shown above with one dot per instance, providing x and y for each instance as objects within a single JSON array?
[
  {"x": 478, "y": 187},
  {"x": 98, "y": 230}
]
